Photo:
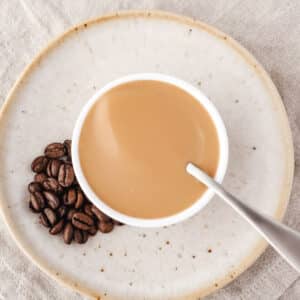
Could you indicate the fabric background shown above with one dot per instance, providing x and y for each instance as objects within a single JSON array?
[{"x": 270, "y": 29}]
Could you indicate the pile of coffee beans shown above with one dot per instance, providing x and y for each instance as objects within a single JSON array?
[{"x": 56, "y": 195}]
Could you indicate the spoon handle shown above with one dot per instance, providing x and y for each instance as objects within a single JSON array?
[{"x": 284, "y": 240}]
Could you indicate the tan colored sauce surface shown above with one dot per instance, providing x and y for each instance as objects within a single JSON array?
[{"x": 136, "y": 142}]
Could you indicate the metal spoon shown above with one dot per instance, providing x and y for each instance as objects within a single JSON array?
[{"x": 284, "y": 240}]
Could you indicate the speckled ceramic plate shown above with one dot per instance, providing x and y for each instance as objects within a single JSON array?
[{"x": 185, "y": 261}]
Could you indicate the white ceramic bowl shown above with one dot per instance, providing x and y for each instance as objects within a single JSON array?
[{"x": 201, "y": 202}]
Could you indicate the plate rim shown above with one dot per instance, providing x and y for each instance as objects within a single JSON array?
[{"x": 249, "y": 59}]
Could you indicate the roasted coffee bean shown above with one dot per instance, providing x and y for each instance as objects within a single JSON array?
[
  {"x": 85, "y": 236},
  {"x": 58, "y": 227},
  {"x": 78, "y": 237},
  {"x": 70, "y": 214},
  {"x": 34, "y": 187},
  {"x": 39, "y": 164},
  {"x": 93, "y": 230},
  {"x": 52, "y": 200},
  {"x": 74, "y": 197},
  {"x": 37, "y": 201},
  {"x": 51, "y": 184},
  {"x": 62, "y": 211},
  {"x": 31, "y": 208},
  {"x": 53, "y": 167},
  {"x": 66, "y": 175},
  {"x": 64, "y": 197},
  {"x": 43, "y": 220},
  {"x": 100, "y": 215},
  {"x": 55, "y": 150},
  {"x": 67, "y": 144},
  {"x": 68, "y": 233},
  {"x": 51, "y": 216},
  {"x": 106, "y": 227},
  {"x": 75, "y": 182},
  {"x": 40, "y": 177},
  {"x": 56, "y": 194},
  {"x": 79, "y": 199},
  {"x": 87, "y": 208},
  {"x": 69, "y": 197},
  {"x": 82, "y": 221}
]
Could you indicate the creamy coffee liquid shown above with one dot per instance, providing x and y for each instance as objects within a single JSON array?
[{"x": 136, "y": 142}]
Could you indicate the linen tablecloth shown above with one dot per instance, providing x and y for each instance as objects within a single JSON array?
[{"x": 270, "y": 29}]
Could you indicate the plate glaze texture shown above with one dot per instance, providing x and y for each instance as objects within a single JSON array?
[{"x": 184, "y": 261}]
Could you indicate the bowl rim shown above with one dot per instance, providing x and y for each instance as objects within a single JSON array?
[{"x": 202, "y": 201}]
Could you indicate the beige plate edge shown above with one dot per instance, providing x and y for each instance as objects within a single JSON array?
[{"x": 285, "y": 193}]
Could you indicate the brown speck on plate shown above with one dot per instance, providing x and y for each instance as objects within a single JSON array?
[
  {"x": 167, "y": 242},
  {"x": 209, "y": 251},
  {"x": 110, "y": 254}
]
